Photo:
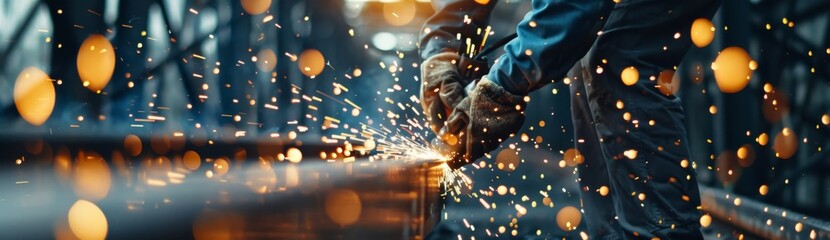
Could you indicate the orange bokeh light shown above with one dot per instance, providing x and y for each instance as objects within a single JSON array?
[
  {"x": 266, "y": 60},
  {"x": 568, "y": 218},
  {"x": 630, "y": 76},
  {"x": 87, "y": 221},
  {"x": 133, "y": 145},
  {"x": 573, "y": 157},
  {"x": 399, "y": 13},
  {"x": 703, "y": 32},
  {"x": 192, "y": 160},
  {"x": 92, "y": 176},
  {"x": 311, "y": 62},
  {"x": 343, "y": 206},
  {"x": 255, "y": 7},
  {"x": 507, "y": 160},
  {"x": 732, "y": 71},
  {"x": 34, "y": 96},
  {"x": 96, "y": 62},
  {"x": 294, "y": 155},
  {"x": 785, "y": 144}
]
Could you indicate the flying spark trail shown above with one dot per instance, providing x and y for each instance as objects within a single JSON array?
[{"x": 405, "y": 144}]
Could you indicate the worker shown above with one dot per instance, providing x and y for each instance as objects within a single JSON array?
[{"x": 636, "y": 181}]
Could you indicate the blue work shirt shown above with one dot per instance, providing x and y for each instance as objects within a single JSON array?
[{"x": 551, "y": 37}]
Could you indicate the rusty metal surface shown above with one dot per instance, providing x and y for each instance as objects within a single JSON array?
[
  {"x": 238, "y": 191},
  {"x": 250, "y": 189}
]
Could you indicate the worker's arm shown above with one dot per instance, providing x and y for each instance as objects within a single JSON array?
[
  {"x": 454, "y": 19},
  {"x": 442, "y": 39},
  {"x": 551, "y": 38}
]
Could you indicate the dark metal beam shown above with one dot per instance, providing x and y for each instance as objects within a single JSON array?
[
  {"x": 777, "y": 185},
  {"x": 18, "y": 33},
  {"x": 761, "y": 219}
]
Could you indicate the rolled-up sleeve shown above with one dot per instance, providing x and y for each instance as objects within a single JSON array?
[
  {"x": 551, "y": 38},
  {"x": 454, "y": 18}
]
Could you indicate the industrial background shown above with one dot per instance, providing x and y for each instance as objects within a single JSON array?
[{"x": 245, "y": 82}]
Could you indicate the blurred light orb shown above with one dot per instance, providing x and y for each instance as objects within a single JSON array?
[
  {"x": 573, "y": 157},
  {"x": 705, "y": 220},
  {"x": 343, "y": 206},
  {"x": 825, "y": 119},
  {"x": 568, "y": 218},
  {"x": 742, "y": 152},
  {"x": 160, "y": 144},
  {"x": 604, "y": 190},
  {"x": 753, "y": 65},
  {"x": 482, "y": 2},
  {"x": 732, "y": 72},
  {"x": 92, "y": 176},
  {"x": 703, "y": 31},
  {"x": 34, "y": 95},
  {"x": 369, "y": 144},
  {"x": 255, "y": 7},
  {"x": 266, "y": 60},
  {"x": 451, "y": 139},
  {"x": 383, "y": 41},
  {"x": 763, "y": 190},
  {"x": 746, "y": 155},
  {"x": 399, "y": 13},
  {"x": 294, "y": 155},
  {"x": 221, "y": 166},
  {"x": 668, "y": 83},
  {"x": 785, "y": 144},
  {"x": 630, "y": 76},
  {"x": 630, "y": 154},
  {"x": 728, "y": 167},
  {"x": 547, "y": 202},
  {"x": 192, "y": 160},
  {"x": 87, "y": 221},
  {"x": 502, "y": 190},
  {"x": 311, "y": 62},
  {"x": 775, "y": 106},
  {"x": 96, "y": 62},
  {"x": 507, "y": 160},
  {"x": 133, "y": 145},
  {"x": 762, "y": 139}
]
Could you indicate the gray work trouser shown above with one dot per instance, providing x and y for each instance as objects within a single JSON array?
[
  {"x": 668, "y": 191},
  {"x": 633, "y": 138}
]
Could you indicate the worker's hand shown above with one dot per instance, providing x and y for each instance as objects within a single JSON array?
[
  {"x": 481, "y": 121},
  {"x": 442, "y": 88}
]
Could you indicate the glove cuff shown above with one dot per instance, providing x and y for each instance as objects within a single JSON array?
[
  {"x": 440, "y": 60},
  {"x": 496, "y": 93}
]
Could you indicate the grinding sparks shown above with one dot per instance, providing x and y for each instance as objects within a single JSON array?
[{"x": 364, "y": 110}]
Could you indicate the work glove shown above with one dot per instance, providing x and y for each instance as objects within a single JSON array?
[
  {"x": 480, "y": 122},
  {"x": 442, "y": 88}
]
